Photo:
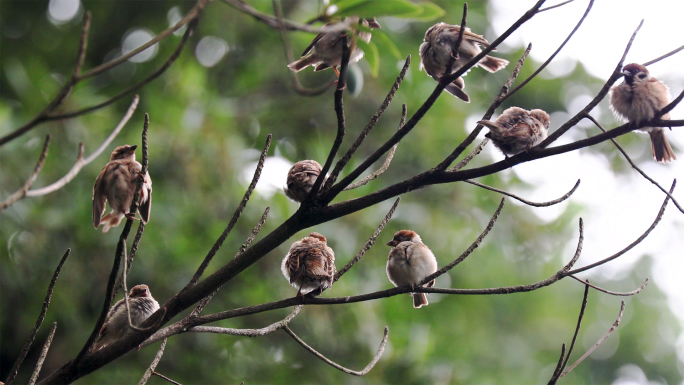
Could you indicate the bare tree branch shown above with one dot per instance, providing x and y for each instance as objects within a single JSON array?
[
  {"x": 236, "y": 216},
  {"x": 166, "y": 378},
  {"x": 369, "y": 243},
  {"x": 129, "y": 261},
  {"x": 554, "y": 6},
  {"x": 43, "y": 354},
  {"x": 616, "y": 293},
  {"x": 41, "y": 317},
  {"x": 634, "y": 166},
  {"x": 363, "y": 372},
  {"x": 631, "y": 245},
  {"x": 249, "y": 332},
  {"x": 269, "y": 20},
  {"x": 153, "y": 365},
  {"x": 456, "y": 47},
  {"x": 470, "y": 249},
  {"x": 290, "y": 58},
  {"x": 386, "y": 163},
  {"x": 563, "y": 362},
  {"x": 21, "y": 193},
  {"x": 525, "y": 201},
  {"x": 600, "y": 341},
  {"x": 371, "y": 124},
  {"x": 80, "y": 162},
  {"x": 648, "y": 63},
  {"x": 128, "y": 306}
]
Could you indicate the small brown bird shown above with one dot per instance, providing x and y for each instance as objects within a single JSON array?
[
  {"x": 436, "y": 50},
  {"x": 116, "y": 183},
  {"x": 409, "y": 262},
  {"x": 517, "y": 130},
  {"x": 637, "y": 99},
  {"x": 301, "y": 178},
  {"x": 325, "y": 50},
  {"x": 116, "y": 324},
  {"x": 309, "y": 265}
]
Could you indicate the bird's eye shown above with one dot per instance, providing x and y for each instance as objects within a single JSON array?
[{"x": 642, "y": 76}]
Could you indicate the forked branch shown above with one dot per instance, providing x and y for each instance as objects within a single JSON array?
[
  {"x": 43, "y": 354},
  {"x": 523, "y": 200},
  {"x": 21, "y": 193}
]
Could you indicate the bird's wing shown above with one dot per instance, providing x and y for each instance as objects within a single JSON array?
[
  {"x": 292, "y": 264},
  {"x": 317, "y": 263},
  {"x": 146, "y": 206},
  {"x": 99, "y": 197},
  {"x": 475, "y": 38},
  {"x": 311, "y": 45}
]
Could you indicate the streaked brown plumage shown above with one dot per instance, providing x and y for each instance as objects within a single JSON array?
[
  {"x": 638, "y": 98},
  {"x": 301, "y": 178},
  {"x": 325, "y": 50},
  {"x": 116, "y": 184},
  {"x": 436, "y": 51},
  {"x": 517, "y": 130},
  {"x": 409, "y": 262},
  {"x": 310, "y": 264},
  {"x": 142, "y": 306}
]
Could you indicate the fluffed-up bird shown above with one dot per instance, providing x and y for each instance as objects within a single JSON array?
[
  {"x": 409, "y": 262},
  {"x": 325, "y": 50},
  {"x": 142, "y": 306},
  {"x": 437, "y": 49},
  {"x": 310, "y": 264},
  {"x": 517, "y": 130},
  {"x": 637, "y": 99},
  {"x": 301, "y": 178},
  {"x": 116, "y": 184}
]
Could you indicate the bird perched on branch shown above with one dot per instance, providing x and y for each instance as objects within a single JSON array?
[
  {"x": 517, "y": 130},
  {"x": 437, "y": 50},
  {"x": 639, "y": 98},
  {"x": 325, "y": 50},
  {"x": 116, "y": 184},
  {"x": 116, "y": 324},
  {"x": 409, "y": 262},
  {"x": 301, "y": 178},
  {"x": 310, "y": 264}
]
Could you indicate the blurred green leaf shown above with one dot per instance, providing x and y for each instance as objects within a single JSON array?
[
  {"x": 372, "y": 55},
  {"x": 386, "y": 42},
  {"x": 374, "y": 8},
  {"x": 431, "y": 11}
]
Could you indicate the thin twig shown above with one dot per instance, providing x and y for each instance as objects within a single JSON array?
[
  {"x": 670, "y": 107},
  {"x": 272, "y": 21},
  {"x": 120, "y": 250},
  {"x": 634, "y": 166},
  {"x": 470, "y": 249},
  {"x": 128, "y": 306},
  {"x": 298, "y": 87},
  {"x": 455, "y": 48},
  {"x": 363, "y": 372},
  {"x": 249, "y": 332},
  {"x": 616, "y": 293},
  {"x": 236, "y": 216},
  {"x": 631, "y": 245},
  {"x": 21, "y": 193},
  {"x": 554, "y": 6},
  {"x": 129, "y": 261},
  {"x": 472, "y": 153},
  {"x": 80, "y": 162},
  {"x": 133, "y": 88},
  {"x": 41, "y": 317},
  {"x": 525, "y": 201},
  {"x": 648, "y": 63},
  {"x": 600, "y": 341},
  {"x": 563, "y": 362},
  {"x": 166, "y": 378},
  {"x": 43, "y": 354},
  {"x": 371, "y": 124},
  {"x": 153, "y": 365},
  {"x": 386, "y": 163},
  {"x": 341, "y": 125},
  {"x": 369, "y": 243}
]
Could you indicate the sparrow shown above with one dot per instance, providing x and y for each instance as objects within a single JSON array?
[
  {"x": 309, "y": 265},
  {"x": 116, "y": 324},
  {"x": 116, "y": 183},
  {"x": 517, "y": 130},
  {"x": 301, "y": 178},
  {"x": 325, "y": 50},
  {"x": 638, "y": 98},
  {"x": 436, "y": 50},
  {"x": 409, "y": 262}
]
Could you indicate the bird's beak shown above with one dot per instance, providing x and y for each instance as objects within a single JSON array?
[
  {"x": 627, "y": 73},
  {"x": 373, "y": 23},
  {"x": 132, "y": 149},
  {"x": 392, "y": 243}
]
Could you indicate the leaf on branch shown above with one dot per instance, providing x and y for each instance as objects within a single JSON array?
[
  {"x": 372, "y": 55},
  {"x": 374, "y": 8}
]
